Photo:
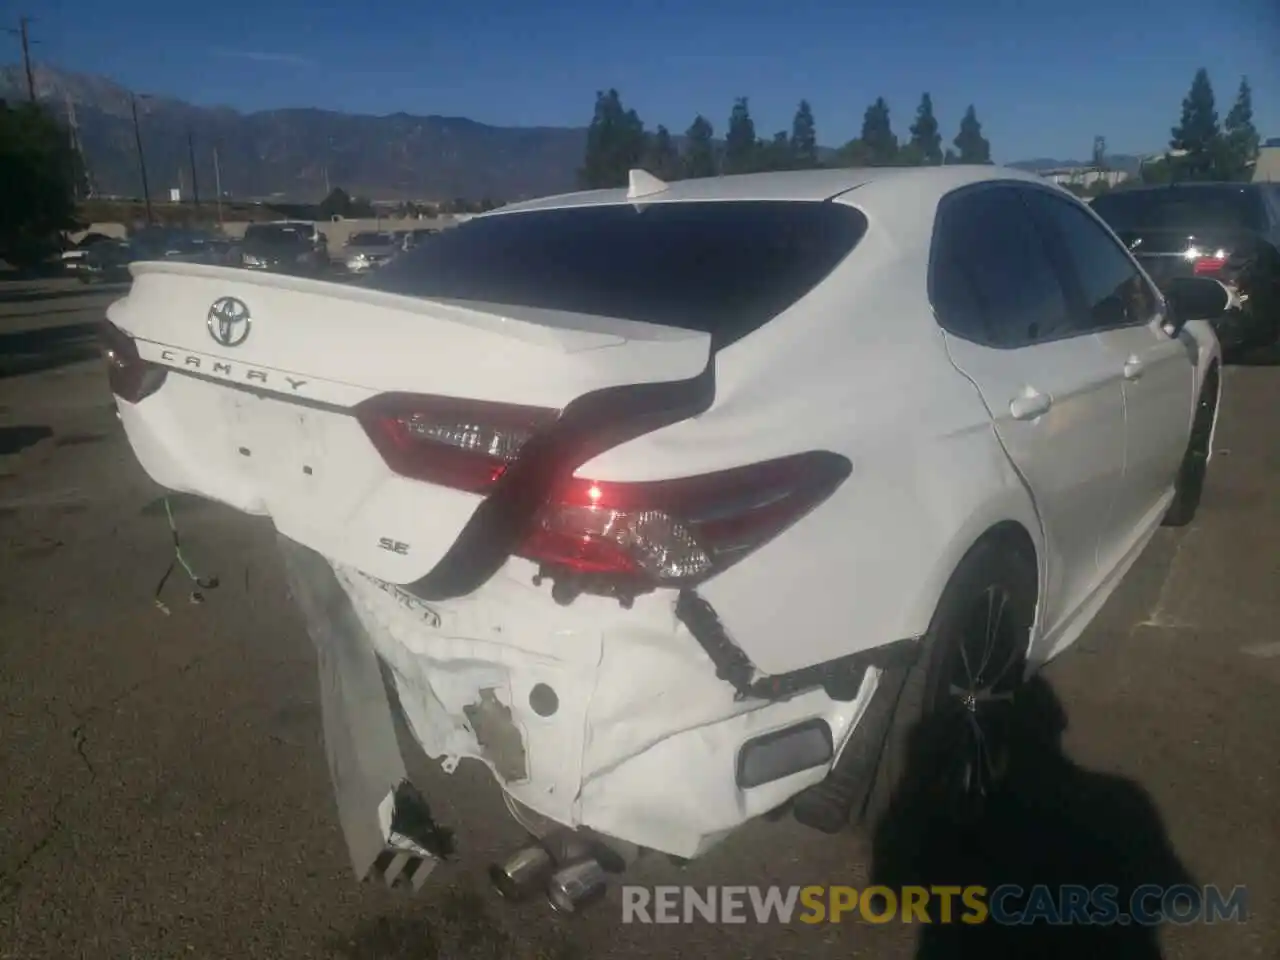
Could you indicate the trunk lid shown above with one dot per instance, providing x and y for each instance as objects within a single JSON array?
[{"x": 263, "y": 373}]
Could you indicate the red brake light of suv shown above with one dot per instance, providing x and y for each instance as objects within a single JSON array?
[
  {"x": 1209, "y": 265},
  {"x": 131, "y": 378}
]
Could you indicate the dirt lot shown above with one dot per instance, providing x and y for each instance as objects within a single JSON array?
[{"x": 163, "y": 790}]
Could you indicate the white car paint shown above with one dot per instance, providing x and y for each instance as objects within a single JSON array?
[{"x": 645, "y": 739}]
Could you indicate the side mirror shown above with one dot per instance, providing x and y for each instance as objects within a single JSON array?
[{"x": 1194, "y": 298}]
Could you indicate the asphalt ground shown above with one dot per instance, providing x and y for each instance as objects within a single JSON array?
[{"x": 164, "y": 793}]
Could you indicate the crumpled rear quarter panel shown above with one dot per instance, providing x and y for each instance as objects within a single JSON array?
[{"x": 644, "y": 739}]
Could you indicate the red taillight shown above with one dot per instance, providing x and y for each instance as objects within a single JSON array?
[
  {"x": 463, "y": 444},
  {"x": 1209, "y": 265},
  {"x": 131, "y": 378},
  {"x": 677, "y": 532}
]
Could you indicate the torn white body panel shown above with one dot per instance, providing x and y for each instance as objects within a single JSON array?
[{"x": 644, "y": 739}]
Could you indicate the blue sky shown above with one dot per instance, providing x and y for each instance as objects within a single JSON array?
[{"x": 1044, "y": 76}]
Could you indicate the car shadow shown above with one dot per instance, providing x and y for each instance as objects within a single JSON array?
[
  {"x": 44, "y": 271},
  {"x": 16, "y": 439},
  {"x": 40, "y": 313},
  {"x": 1054, "y": 824},
  {"x": 34, "y": 351},
  {"x": 1261, "y": 357},
  {"x": 40, "y": 294}
]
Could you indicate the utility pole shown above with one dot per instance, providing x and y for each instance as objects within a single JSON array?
[
  {"x": 195, "y": 187},
  {"x": 86, "y": 175},
  {"x": 217, "y": 178},
  {"x": 23, "y": 24},
  {"x": 142, "y": 160}
]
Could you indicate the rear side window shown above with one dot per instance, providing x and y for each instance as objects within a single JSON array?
[
  {"x": 275, "y": 233},
  {"x": 1272, "y": 193},
  {"x": 724, "y": 268},
  {"x": 1112, "y": 292},
  {"x": 991, "y": 279},
  {"x": 1186, "y": 207}
]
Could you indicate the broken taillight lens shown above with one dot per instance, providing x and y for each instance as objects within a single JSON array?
[
  {"x": 131, "y": 378},
  {"x": 676, "y": 532},
  {"x": 463, "y": 444}
]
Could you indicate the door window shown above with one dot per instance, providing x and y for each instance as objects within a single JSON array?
[
  {"x": 991, "y": 278},
  {"x": 1111, "y": 291}
]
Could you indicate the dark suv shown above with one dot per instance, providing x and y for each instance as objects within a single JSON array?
[
  {"x": 1229, "y": 232},
  {"x": 284, "y": 247}
]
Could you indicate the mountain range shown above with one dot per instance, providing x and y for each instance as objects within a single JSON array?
[{"x": 298, "y": 154}]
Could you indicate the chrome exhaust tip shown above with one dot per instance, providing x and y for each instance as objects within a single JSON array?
[
  {"x": 576, "y": 885},
  {"x": 521, "y": 873}
]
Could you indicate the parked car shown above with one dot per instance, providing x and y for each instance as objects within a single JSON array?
[
  {"x": 676, "y": 503},
  {"x": 73, "y": 256},
  {"x": 180, "y": 243},
  {"x": 285, "y": 247},
  {"x": 1226, "y": 231},
  {"x": 411, "y": 238},
  {"x": 369, "y": 250},
  {"x": 106, "y": 262}
]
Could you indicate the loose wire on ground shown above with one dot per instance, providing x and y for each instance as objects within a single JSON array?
[{"x": 201, "y": 583}]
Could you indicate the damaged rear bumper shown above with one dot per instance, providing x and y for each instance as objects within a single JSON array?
[{"x": 593, "y": 717}]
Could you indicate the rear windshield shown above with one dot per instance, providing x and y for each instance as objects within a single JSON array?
[
  {"x": 276, "y": 233},
  {"x": 372, "y": 238},
  {"x": 724, "y": 268},
  {"x": 1182, "y": 208}
]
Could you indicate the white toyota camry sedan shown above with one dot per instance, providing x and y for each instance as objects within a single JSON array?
[{"x": 678, "y": 503}]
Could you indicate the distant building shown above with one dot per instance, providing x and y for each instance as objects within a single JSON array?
[
  {"x": 1084, "y": 176},
  {"x": 1267, "y": 168}
]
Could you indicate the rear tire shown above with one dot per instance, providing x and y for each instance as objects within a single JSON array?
[
  {"x": 946, "y": 746},
  {"x": 1189, "y": 485}
]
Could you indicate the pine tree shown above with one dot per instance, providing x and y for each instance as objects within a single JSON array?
[
  {"x": 804, "y": 139},
  {"x": 877, "y": 135},
  {"x": 615, "y": 143},
  {"x": 38, "y": 170},
  {"x": 1197, "y": 133},
  {"x": 699, "y": 158},
  {"x": 926, "y": 141},
  {"x": 971, "y": 146},
  {"x": 775, "y": 154},
  {"x": 661, "y": 157},
  {"x": 740, "y": 148},
  {"x": 855, "y": 153},
  {"x": 1241, "y": 147}
]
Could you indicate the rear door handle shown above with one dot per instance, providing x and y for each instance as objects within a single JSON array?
[
  {"x": 1133, "y": 368},
  {"x": 1029, "y": 407}
]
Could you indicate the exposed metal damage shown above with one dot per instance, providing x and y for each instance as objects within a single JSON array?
[{"x": 563, "y": 716}]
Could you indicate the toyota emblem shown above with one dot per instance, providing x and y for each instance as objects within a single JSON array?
[{"x": 229, "y": 321}]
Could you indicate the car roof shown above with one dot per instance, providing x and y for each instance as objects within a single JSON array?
[{"x": 787, "y": 185}]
